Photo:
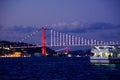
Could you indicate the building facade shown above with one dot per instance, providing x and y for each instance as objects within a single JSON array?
[{"x": 106, "y": 51}]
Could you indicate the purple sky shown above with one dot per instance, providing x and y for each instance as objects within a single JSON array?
[
  {"x": 100, "y": 18},
  {"x": 41, "y": 12}
]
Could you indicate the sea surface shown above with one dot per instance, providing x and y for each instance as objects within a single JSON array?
[{"x": 56, "y": 68}]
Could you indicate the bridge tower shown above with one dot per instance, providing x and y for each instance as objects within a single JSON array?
[
  {"x": 67, "y": 50},
  {"x": 44, "y": 41}
]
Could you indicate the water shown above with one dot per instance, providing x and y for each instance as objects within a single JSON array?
[{"x": 56, "y": 68}]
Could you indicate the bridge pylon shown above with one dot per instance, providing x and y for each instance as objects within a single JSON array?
[{"x": 44, "y": 51}]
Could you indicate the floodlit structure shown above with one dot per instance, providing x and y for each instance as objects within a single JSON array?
[
  {"x": 106, "y": 51},
  {"x": 105, "y": 54}
]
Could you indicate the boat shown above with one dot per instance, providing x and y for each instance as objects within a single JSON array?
[{"x": 105, "y": 54}]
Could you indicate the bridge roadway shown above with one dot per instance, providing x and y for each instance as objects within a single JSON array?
[{"x": 65, "y": 45}]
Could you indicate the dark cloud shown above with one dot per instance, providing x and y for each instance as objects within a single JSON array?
[
  {"x": 1, "y": 27},
  {"x": 102, "y": 26},
  {"x": 93, "y": 27},
  {"x": 17, "y": 33},
  {"x": 98, "y": 31},
  {"x": 22, "y": 29}
]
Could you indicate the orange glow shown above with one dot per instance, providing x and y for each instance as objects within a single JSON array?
[{"x": 16, "y": 54}]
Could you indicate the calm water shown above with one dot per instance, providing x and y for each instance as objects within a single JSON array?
[{"x": 58, "y": 68}]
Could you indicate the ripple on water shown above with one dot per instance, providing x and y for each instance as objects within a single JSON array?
[{"x": 56, "y": 69}]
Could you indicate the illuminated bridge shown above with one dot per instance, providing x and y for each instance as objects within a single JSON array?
[{"x": 57, "y": 38}]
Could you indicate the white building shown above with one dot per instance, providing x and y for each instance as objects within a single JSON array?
[{"x": 106, "y": 51}]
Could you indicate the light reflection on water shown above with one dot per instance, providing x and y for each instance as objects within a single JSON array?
[{"x": 56, "y": 69}]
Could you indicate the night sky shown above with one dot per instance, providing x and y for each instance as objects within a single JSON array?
[{"x": 96, "y": 19}]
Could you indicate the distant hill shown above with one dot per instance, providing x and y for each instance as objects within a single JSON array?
[
  {"x": 23, "y": 50},
  {"x": 13, "y": 44}
]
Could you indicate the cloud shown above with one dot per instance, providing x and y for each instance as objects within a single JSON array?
[
  {"x": 85, "y": 27},
  {"x": 75, "y": 23},
  {"x": 60, "y": 25},
  {"x": 99, "y": 31},
  {"x": 1, "y": 27},
  {"x": 69, "y": 26},
  {"x": 100, "y": 26},
  {"x": 17, "y": 33},
  {"x": 22, "y": 29}
]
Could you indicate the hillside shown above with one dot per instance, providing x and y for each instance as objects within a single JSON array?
[{"x": 4, "y": 45}]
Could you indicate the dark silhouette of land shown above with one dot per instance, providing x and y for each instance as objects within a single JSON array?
[
  {"x": 6, "y": 48},
  {"x": 4, "y": 45}
]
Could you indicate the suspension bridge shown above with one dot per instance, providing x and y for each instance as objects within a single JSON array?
[{"x": 64, "y": 39}]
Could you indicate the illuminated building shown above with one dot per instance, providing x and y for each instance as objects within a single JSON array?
[
  {"x": 16, "y": 54},
  {"x": 105, "y": 54},
  {"x": 106, "y": 51}
]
